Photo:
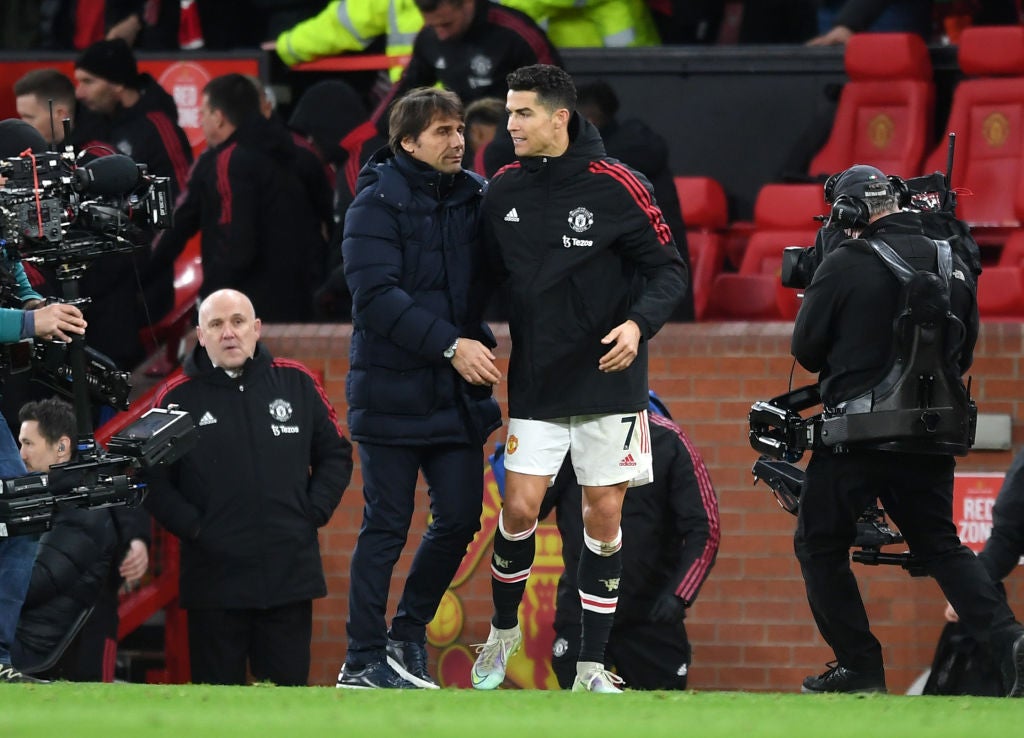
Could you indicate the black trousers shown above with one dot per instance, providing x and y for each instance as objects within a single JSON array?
[
  {"x": 917, "y": 492},
  {"x": 454, "y": 475},
  {"x": 273, "y": 642},
  {"x": 645, "y": 655}
]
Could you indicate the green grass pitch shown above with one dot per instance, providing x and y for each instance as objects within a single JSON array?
[{"x": 64, "y": 710}]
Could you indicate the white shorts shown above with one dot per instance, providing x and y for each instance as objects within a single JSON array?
[{"x": 605, "y": 449}]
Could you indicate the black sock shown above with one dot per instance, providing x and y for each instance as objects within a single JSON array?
[
  {"x": 600, "y": 568},
  {"x": 510, "y": 568}
]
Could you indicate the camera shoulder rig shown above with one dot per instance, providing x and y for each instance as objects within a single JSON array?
[{"x": 921, "y": 405}]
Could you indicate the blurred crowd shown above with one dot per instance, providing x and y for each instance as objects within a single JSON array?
[{"x": 161, "y": 25}]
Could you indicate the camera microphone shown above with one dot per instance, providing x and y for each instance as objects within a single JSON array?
[{"x": 108, "y": 176}]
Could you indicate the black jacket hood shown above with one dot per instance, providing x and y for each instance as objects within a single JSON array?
[
  {"x": 198, "y": 365},
  {"x": 267, "y": 135},
  {"x": 585, "y": 145},
  {"x": 153, "y": 97}
]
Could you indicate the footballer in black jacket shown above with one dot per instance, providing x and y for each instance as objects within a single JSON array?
[
  {"x": 592, "y": 273},
  {"x": 584, "y": 247}
]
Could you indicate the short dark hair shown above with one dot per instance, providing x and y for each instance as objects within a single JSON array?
[
  {"x": 429, "y": 6},
  {"x": 553, "y": 85},
  {"x": 487, "y": 110},
  {"x": 46, "y": 84},
  {"x": 54, "y": 416},
  {"x": 413, "y": 112},
  {"x": 234, "y": 95}
]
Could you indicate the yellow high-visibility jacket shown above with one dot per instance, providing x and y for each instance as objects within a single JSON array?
[
  {"x": 351, "y": 25},
  {"x": 592, "y": 23}
]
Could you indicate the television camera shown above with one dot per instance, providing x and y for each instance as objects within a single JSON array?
[
  {"x": 58, "y": 213},
  {"x": 781, "y": 435},
  {"x": 930, "y": 195},
  {"x": 63, "y": 215},
  {"x": 97, "y": 479}
]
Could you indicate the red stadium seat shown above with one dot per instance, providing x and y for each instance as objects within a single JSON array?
[
  {"x": 783, "y": 216},
  {"x": 170, "y": 330},
  {"x": 1001, "y": 293},
  {"x": 1012, "y": 253},
  {"x": 780, "y": 207},
  {"x": 987, "y": 116},
  {"x": 705, "y": 213},
  {"x": 885, "y": 110}
]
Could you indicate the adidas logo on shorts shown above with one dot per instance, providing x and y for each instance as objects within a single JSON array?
[
  {"x": 512, "y": 216},
  {"x": 628, "y": 461}
]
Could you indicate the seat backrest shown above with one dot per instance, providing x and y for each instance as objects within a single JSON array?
[
  {"x": 987, "y": 116},
  {"x": 789, "y": 207},
  {"x": 763, "y": 254},
  {"x": 1001, "y": 293},
  {"x": 885, "y": 110},
  {"x": 1012, "y": 253},
  {"x": 702, "y": 201}
]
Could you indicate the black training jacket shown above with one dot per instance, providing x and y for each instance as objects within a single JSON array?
[
  {"x": 584, "y": 247},
  {"x": 268, "y": 469}
]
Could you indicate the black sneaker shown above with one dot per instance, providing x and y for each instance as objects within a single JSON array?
[
  {"x": 10, "y": 675},
  {"x": 841, "y": 679},
  {"x": 1016, "y": 668},
  {"x": 409, "y": 660},
  {"x": 377, "y": 675}
]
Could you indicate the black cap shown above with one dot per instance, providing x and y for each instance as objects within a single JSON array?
[
  {"x": 859, "y": 181},
  {"x": 16, "y": 135},
  {"x": 111, "y": 60}
]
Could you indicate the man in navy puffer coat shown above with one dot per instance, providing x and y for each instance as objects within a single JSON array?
[{"x": 419, "y": 387}]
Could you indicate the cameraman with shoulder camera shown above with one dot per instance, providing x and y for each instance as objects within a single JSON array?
[
  {"x": 852, "y": 328},
  {"x": 30, "y": 318}
]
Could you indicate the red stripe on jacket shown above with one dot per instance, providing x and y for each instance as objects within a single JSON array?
[
  {"x": 640, "y": 194},
  {"x": 299, "y": 366},
  {"x": 532, "y": 35},
  {"x": 172, "y": 144},
  {"x": 224, "y": 183},
  {"x": 698, "y": 571}
]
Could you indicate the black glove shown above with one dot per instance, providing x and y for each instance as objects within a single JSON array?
[{"x": 667, "y": 609}]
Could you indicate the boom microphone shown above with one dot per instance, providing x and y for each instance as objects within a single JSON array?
[{"x": 108, "y": 176}]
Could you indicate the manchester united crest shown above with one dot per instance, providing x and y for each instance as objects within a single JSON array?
[
  {"x": 280, "y": 410},
  {"x": 511, "y": 445},
  {"x": 580, "y": 219}
]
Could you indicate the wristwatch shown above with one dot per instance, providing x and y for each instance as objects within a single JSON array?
[{"x": 449, "y": 353}]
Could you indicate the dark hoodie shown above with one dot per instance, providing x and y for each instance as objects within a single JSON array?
[
  {"x": 148, "y": 132},
  {"x": 260, "y": 233},
  {"x": 584, "y": 248}
]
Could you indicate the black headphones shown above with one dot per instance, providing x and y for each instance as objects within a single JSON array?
[{"x": 850, "y": 210}]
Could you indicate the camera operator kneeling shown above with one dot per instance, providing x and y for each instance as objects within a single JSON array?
[{"x": 845, "y": 331}]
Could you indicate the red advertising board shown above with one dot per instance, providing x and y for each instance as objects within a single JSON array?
[
  {"x": 973, "y": 498},
  {"x": 184, "y": 79}
]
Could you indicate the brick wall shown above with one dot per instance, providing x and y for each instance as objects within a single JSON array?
[{"x": 751, "y": 627}]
